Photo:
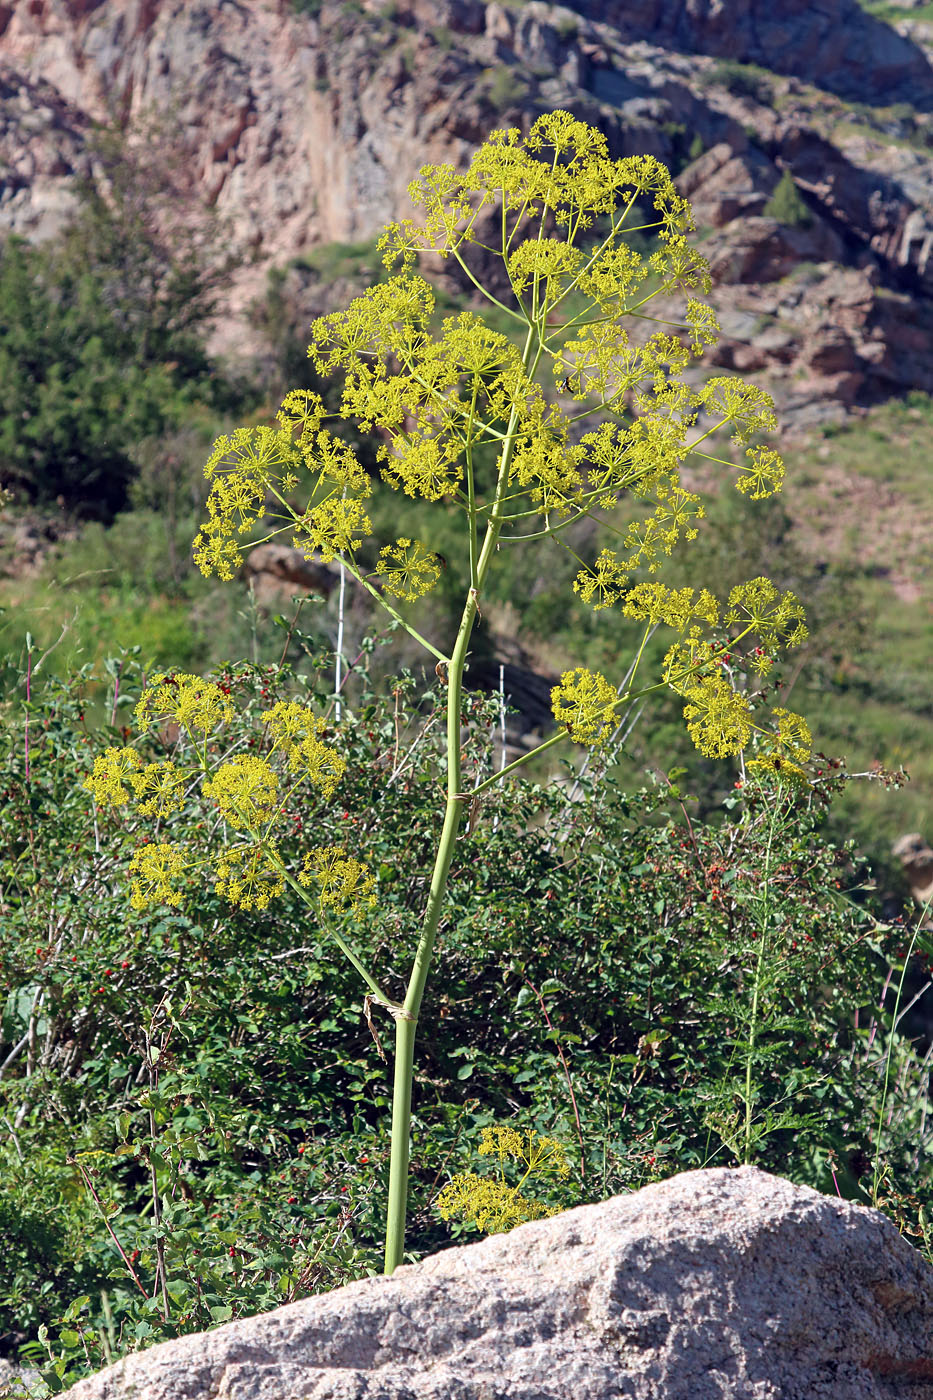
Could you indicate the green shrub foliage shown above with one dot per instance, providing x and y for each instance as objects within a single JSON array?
[
  {"x": 101, "y": 331},
  {"x": 787, "y": 204},
  {"x": 206, "y": 1086}
]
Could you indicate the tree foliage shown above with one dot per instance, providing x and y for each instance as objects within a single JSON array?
[{"x": 101, "y": 330}]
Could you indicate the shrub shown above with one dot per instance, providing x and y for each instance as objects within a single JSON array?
[
  {"x": 740, "y": 79},
  {"x": 787, "y": 205},
  {"x": 606, "y": 972}
]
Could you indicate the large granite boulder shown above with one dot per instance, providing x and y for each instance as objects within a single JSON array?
[{"x": 725, "y": 1283}]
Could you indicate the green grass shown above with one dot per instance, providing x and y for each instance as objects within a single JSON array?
[{"x": 881, "y": 9}]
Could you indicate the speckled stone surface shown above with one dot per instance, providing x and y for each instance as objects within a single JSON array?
[{"x": 714, "y": 1285}]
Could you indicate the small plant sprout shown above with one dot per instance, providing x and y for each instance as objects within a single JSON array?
[{"x": 585, "y": 413}]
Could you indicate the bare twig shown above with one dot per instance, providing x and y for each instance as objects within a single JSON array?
[{"x": 73, "y": 1162}]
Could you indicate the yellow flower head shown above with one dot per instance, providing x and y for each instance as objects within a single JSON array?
[
  {"x": 215, "y": 551},
  {"x": 156, "y": 869},
  {"x": 343, "y": 882},
  {"x": 764, "y": 474},
  {"x": 322, "y": 765},
  {"x": 585, "y": 703},
  {"x": 302, "y": 411},
  {"x": 245, "y": 790},
  {"x": 686, "y": 661},
  {"x": 794, "y": 740},
  {"x": 112, "y": 769},
  {"x": 198, "y": 706},
  {"x": 677, "y": 607},
  {"x": 774, "y": 766},
  {"x": 488, "y": 1204},
  {"x": 718, "y": 717},
  {"x": 545, "y": 1156},
  {"x": 296, "y": 730},
  {"x": 290, "y": 723},
  {"x": 247, "y": 877},
  {"x": 332, "y": 528},
  {"x": 603, "y": 584},
  {"x": 423, "y": 465},
  {"x": 336, "y": 462},
  {"x": 408, "y": 569},
  {"x": 159, "y": 789},
  {"x": 777, "y": 618}
]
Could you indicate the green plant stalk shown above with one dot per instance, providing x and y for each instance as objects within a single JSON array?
[
  {"x": 406, "y": 1020},
  {"x": 753, "y": 1025},
  {"x": 876, "y": 1178}
]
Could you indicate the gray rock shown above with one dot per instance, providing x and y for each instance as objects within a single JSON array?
[
  {"x": 277, "y": 571},
  {"x": 730, "y": 1284}
]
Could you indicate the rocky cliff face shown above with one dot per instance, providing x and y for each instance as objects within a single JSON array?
[{"x": 303, "y": 130}]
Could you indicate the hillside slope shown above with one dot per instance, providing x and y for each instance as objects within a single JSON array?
[{"x": 306, "y": 129}]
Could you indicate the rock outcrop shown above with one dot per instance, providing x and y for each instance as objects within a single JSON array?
[
  {"x": 300, "y": 130},
  {"x": 277, "y": 572},
  {"x": 727, "y": 1283},
  {"x": 916, "y": 856}
]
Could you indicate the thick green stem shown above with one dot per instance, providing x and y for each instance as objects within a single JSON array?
[{"x": 406, "y": 1019}]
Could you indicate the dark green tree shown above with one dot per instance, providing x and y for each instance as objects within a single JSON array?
[
  {"x": 787, "y": 204},
  {"x": 102, "y": 330}
]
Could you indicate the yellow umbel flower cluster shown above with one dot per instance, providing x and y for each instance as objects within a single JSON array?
[
  {"x": 342, "y": 881},
  {"x": 249, "y": 876},
  {"x": 245, "y": 467},
  {"x": 718, "y": 717},
  {"x": 492, "y": 1205},
  {"x": 112, "y": 770},
  {"x": 154, "y": 872},
  {"x": 488, "y": 1204},
  {"x": 159, "y": 789},
  {"x": 197, "y": 706},
  {"x": 585, "y": 703},
  {"x": 408, "y": 569},
  {"x": 158, "y": 786},
  {"x": 249, "y": 792},
  {"x": 296, "y": 730},
  {"x": 246, "y": 791},
  {"x": 545, "y": 1156},
  {"x": 776, "y": 618}
]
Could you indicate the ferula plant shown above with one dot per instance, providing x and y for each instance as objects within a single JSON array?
[{"x": 526, "y": 434}]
